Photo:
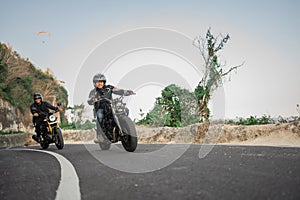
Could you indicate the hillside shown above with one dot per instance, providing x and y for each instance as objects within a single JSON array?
[{"x": 19, "y": 80}]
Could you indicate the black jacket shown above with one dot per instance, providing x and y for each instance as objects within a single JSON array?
[
  {"x": 42, "y": 110},
  {"x": 105, "y": 92}
]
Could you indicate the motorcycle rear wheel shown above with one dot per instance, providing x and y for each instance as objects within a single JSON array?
[
  {"x": 129, "y": 140},
  {"x": 59, "y": 142}
]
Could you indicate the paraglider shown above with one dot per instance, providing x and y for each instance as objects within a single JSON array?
[
  {"x": 43, "y": 35},
  {"x": 43, "y": 32}
]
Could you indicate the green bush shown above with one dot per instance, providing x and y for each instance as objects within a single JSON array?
[
  {"x": 175, "y": 107},
  {"x": 68, "y": 126},
  {"x": 252, "y": 120}
]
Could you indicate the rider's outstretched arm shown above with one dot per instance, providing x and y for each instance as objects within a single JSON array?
[
  {"x": 122, "y": 92},
  {"x": 55, "y": 108}
]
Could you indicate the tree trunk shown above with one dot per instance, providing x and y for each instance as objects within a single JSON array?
[
  {"x": 204, "y": 114},
  {"x": 201, "y": 132}
]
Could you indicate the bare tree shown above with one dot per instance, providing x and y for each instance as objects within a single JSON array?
[{"x": 214, "y": 72}]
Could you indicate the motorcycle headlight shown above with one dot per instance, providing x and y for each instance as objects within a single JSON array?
[{"x": 52, "y": 118}]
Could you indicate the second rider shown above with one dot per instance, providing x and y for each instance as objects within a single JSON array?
[{"x": 101, "y": 90}]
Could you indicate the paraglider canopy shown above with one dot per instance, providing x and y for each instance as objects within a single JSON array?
[
  {"x": 43, "y": 32},
  {"x": 43, "y": 35}
]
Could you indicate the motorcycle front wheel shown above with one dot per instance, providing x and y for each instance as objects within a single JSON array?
[
  {"x": 129, "y": 139},
  {"x": 59, "y": 141},
  {"x": 44, "y": 144}
]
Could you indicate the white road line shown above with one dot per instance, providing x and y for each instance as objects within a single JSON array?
[{"x": 69, "y": 183}]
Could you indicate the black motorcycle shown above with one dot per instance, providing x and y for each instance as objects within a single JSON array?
[
  {"x": 50, "y": 131},
  {"x": 116, "y": 125}
]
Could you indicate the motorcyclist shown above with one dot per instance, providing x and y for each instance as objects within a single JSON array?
[
  {"x": 39, "y": 110},
  {"x": 101, "y": 90}
]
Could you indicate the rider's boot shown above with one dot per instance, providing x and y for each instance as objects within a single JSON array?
[
  {"x": 99, "y": 138},
  {"x": 36, "y": 138}
]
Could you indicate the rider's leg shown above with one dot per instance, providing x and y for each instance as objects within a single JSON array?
[
  {"x": 38, "y": 131},
  {"x": 100, "y": 116},
  {"x": 100, "y": 133}
]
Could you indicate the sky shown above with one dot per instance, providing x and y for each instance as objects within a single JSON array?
[{"x": 148, "y": 44}]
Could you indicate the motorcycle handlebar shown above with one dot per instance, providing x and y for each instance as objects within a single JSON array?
[
  {"x": 110, "y": 100},
  {"x": 44, "y": 114}
]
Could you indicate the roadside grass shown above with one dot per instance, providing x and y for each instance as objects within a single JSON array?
[
  {"x": 11, "y": 132},
  {"x": 265, "y": 119}
]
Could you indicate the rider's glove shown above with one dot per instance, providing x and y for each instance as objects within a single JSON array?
[{"x": 128, "y": 92}]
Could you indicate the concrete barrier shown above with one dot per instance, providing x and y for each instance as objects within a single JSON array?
[
  {"x": 12, "y": 140},
  {"x": 25, "y": 139}
]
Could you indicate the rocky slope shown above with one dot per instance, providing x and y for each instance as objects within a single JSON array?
[
  {"x": 11, "y": 118},
  {"x": 19, "y": 79}
]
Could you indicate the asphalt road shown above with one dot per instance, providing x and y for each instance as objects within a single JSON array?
[{"x": 226, "y": 172}]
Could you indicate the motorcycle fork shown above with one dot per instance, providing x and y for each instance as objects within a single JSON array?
[
  {"x": 51, "y": 130},
  {"x": 117, "y": 121}
]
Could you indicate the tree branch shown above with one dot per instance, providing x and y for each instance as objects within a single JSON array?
[{"x": 232, "y": 68}]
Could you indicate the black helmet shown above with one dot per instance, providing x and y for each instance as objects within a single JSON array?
[
  {"x": 37, "y": 96},
  {"x": 99, "y": 77}
]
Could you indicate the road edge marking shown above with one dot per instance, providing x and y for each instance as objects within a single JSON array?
[{"x": 68, "y": 187}]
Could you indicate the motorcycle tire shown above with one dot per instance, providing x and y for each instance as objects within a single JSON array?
[
  {"x": 59, "y": 142},
  {"x": 129, "y": 140},
  {"x": 44, "y": 145}
]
